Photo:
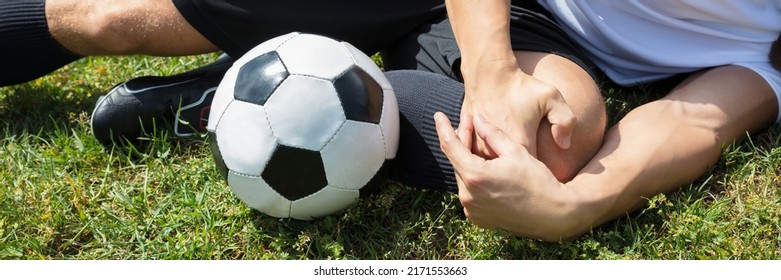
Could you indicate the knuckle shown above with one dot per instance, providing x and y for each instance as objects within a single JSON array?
[
  {"x": 467, "y": 202},
  {"x": 492, "y": 133},
  {"x": 472, "y": 179},
  {"x": 548, "y": 92},
  {"x": 445, "y": 143}
]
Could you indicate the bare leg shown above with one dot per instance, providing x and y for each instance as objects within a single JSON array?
[
  {"x": 105, "y": 27},
  {"x": 670, "y": 142}
]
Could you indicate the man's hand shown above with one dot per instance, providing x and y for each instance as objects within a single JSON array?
[
  {"x": 495, "y": 85},
  {"x": 513, "y": 191},
  {"x": 516, "y": 103}
]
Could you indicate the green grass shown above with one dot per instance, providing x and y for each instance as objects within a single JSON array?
[{"x": 63, "y": 196}]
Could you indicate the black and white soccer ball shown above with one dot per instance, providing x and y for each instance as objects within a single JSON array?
[{"x": 301, "y": 124}]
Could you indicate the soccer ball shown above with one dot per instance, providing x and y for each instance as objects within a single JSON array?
[{"x": 301, "y": 124}]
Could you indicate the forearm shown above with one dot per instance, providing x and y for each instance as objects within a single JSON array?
[
  {"x": 496, "y": 87},
  {"x": 482, "y": 31},
  {"x": 648, "y": 153},
  {"x": 668, "y": 143}
]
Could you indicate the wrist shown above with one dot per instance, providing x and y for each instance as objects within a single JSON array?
[
  {"x": 566, "y": 217},
  {"x": 487, "y": 67},
  {"x": 491, "y": 77},
  {"x": 583, "y": 211}
]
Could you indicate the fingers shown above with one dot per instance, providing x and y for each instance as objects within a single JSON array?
[
  {"x": 455, "y": 145},
  {"x": 466, "y": 130},
  {"x": 455, "y": 150},
  {"x": 494, "y": 138}
]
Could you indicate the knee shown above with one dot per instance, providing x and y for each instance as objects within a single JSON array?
[{"x": 587, "y": 139}]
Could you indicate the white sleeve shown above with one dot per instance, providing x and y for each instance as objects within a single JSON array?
[{"x": 771, "y": 76}]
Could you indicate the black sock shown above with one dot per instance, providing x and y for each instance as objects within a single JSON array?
[
  {"x": 420, "y": 162},
  {"x": 27, "y": 49}
]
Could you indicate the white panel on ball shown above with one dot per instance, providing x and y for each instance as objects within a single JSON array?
[
  {"x": 305, "y": 112},
  {"x": 316, "y": 56},
  {"x": 354, "y": 155},
  {"x": 222, "y": 98},
  {"x": 254, "y": 192},
  {"x": 390, "y": 123},
  {"x": 326, "y": 201},
  {"x": 367, "y": 64},
  {"x": 244, "y": 138}
]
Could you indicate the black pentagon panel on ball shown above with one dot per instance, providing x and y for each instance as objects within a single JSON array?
[
  {"x": 361, "y": 96},
  {"x": 218, "y": 161},
  {"x": 295, "y": 173},
  {"x": 259, "y": 77}
]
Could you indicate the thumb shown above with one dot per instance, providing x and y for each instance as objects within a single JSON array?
[{"x": 562, "y": 121}]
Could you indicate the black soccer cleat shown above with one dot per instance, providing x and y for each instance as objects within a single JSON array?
[{"x": 142, "y": 105}]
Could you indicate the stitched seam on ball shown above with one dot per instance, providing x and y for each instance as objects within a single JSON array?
[
  {"x": 222, "y": 114},
  {"x": 273, "y": 134},
  {"x": 384, "y": 145},
  {"x": 342, "y": 189},
  {"x": 335, "y": 133},
  {"x": 286, "y": 40},
  {"x": 315, "y": 77},
  {"x": 270, "y": 128},
  {"x": 245, "y": 174},
  {"x": 350, "y": 53}
]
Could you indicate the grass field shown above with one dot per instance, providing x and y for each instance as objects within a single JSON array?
[{"x": 63, "y": 196}]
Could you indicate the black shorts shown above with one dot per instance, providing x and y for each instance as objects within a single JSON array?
[
  {"x": 236, "y": 26},
  {"x": 432, "y": 47}
]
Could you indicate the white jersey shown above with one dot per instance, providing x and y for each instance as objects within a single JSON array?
[{"x": 638, "y": 41}]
